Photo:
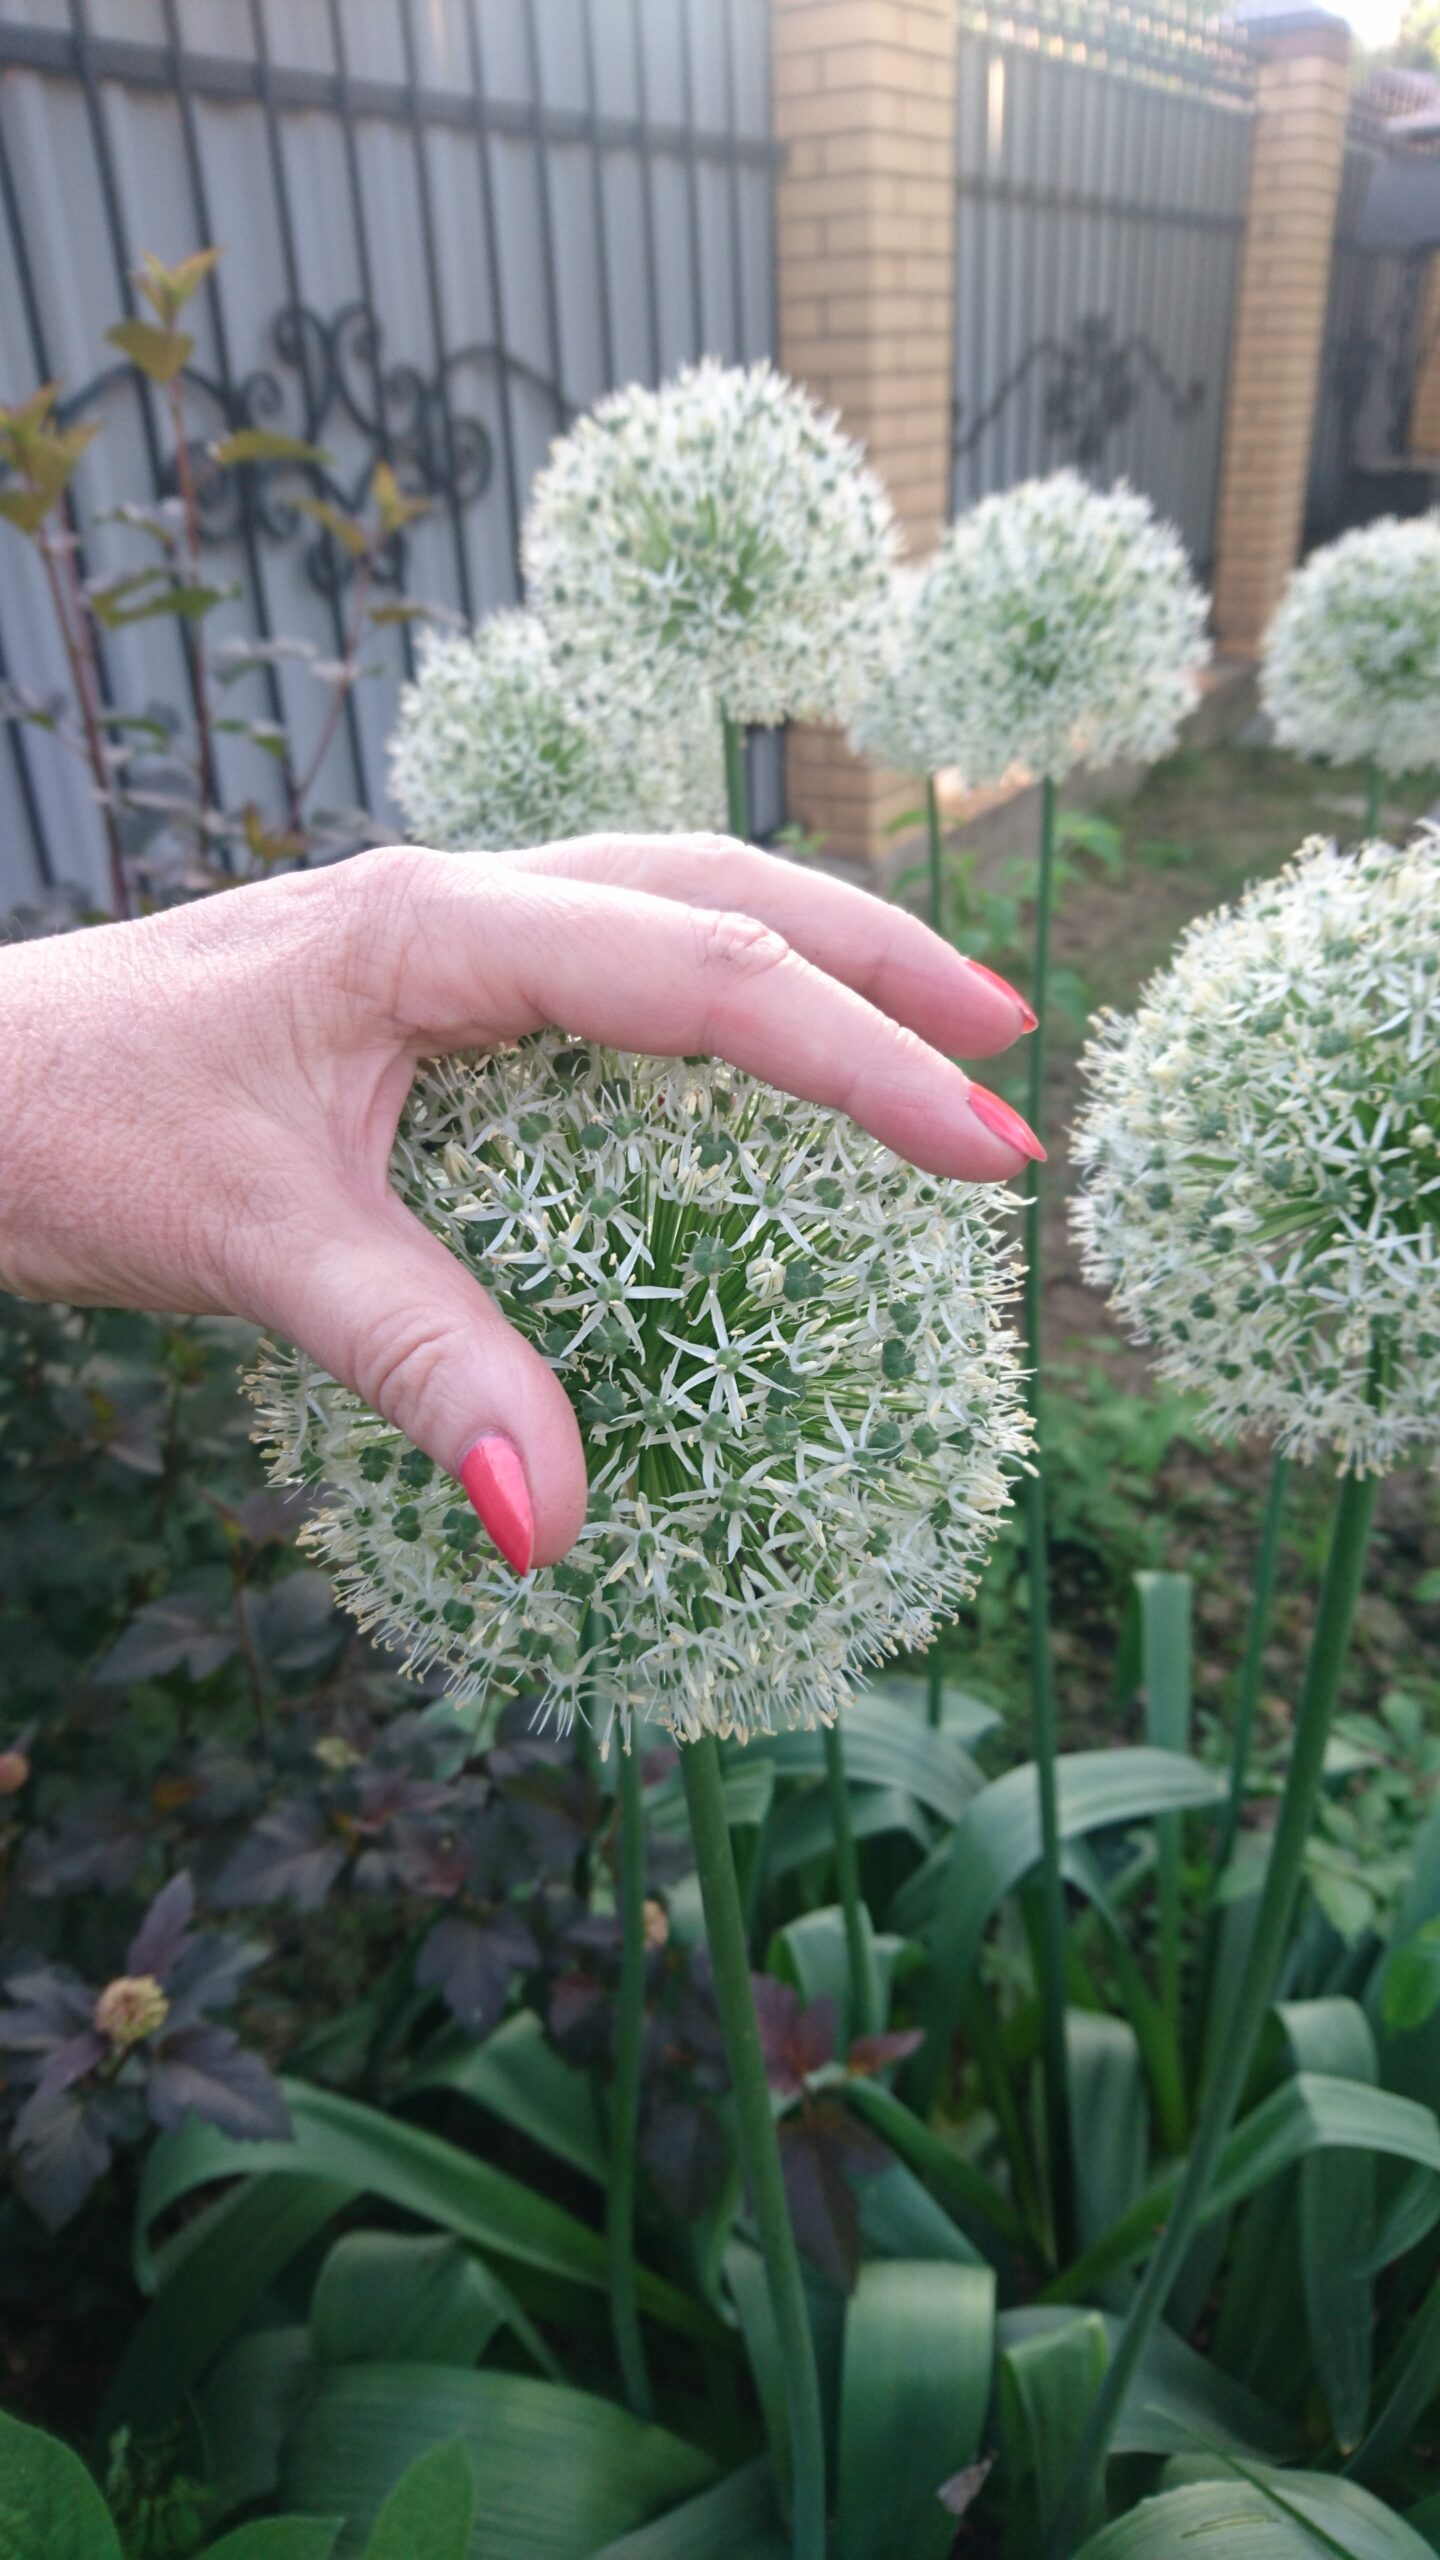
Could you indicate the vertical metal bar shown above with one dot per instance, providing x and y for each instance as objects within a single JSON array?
[
  {"x": 692, "y": 176},
  {"x": 647, "y": 178},
  {"x": 25, "y": 784},
  {"x": 542, "y": 190},
  {"x": 200, "y": 202},
  {"x": 363, "y": 262},
  {"x": 508, "y": 462},
  {"x": 119, "y": 250},
  {"x": 1005, "y": 344},
  {"x": 281, "y": 185},
  {"x": 597, "y": 195},
  {"x": 732, "y": 175},
  {"x": 433, "y": 296}
]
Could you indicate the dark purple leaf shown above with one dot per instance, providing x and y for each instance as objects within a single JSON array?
[
  {"x": 98, "y": 1844},
  {"x": 51, "y": 2005},
  {"x": 292, "y": 1855},
  {"x": 206, "y": 2071},
  {"x": 186, "y": 1629},
  {"x": 163, "y": 1931},
  {"x": 579, "y": 2015},
  {"x": 959, "y": 2493},
  {"x": 794, "y": 2041},
  {"x": 684, "y": 2149},
  {"x": 297, "y": 1626},
  {"x": 60, "y": 2149},
  {"x": 472, "y": 1964},
  {"x": 877, "y": 2053},
  {"x": 70, "y": 2062},
  {"x": 823, "y": 2209},
  {"x": 208, "y": 1973}
]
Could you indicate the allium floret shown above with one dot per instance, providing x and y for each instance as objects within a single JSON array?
[
  {"x": 1260, "y": 1153},
  {"x": 495, "y": 747},
  {"x": 891, "y": 723},
  {"x": 720, "y": 536},
  {"x": 1055, "y": 625},
  {"x": 1352, "y": 658},
  {"x": 788, "y": 1355}
]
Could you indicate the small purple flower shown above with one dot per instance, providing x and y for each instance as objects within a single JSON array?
[{"x": 98, "y": 2066}]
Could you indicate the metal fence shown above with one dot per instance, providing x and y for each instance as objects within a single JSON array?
[
  {"x": 1377, "y": 338},
  {"x": 447, "y": 225},
  {"x": 1103, "y": 161}
]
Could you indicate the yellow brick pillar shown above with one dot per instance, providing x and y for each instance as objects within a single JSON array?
[
  {"x": 865, "y": 260},
  {"x": 1303, "y": 99}
]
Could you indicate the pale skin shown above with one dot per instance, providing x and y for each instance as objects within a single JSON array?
[{"x": 198, "y": 1108}]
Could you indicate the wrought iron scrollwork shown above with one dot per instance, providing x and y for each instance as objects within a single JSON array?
[
  {"x": 333, "y": 374},
  {"x": 1093, "y": 383}
]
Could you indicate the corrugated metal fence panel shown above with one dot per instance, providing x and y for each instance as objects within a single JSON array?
[
  {"x": 533, "y": 198},
  {"x": 1100, "y": 206}
]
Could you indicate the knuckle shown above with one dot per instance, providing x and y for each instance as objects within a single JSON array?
[
  {"x": 400, "y": 1365},
  {"x": 733, "y": 945}
]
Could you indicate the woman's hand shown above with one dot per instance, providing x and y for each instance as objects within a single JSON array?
[{"x": 198, "y": 1109}]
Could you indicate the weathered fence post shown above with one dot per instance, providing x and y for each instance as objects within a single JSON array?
[
  {"x": 865, "y": 258},
  {"x": 1302, "y": 100}
]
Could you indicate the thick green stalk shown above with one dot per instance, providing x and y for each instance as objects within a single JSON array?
[
  {"x": 625, "y": 2093},
  {"x": 935, "y": 904},
  {"x": 737, "y": 798},
  {"x": 865, "y": 2016},
  {"x": 1037, "y": 1557},
  {"x": 759, "y": 2148},
  {"x": 1344, "y": 1570},
  {"x": 1372, "y": 800},
  {"x": 1267, "y": 1565}
]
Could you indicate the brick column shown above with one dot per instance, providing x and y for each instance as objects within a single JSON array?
[
  {"x": 865, "y": 105},
  {"x": 1303, "y": 101}
]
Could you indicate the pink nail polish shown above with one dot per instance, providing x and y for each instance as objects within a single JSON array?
[
  {"x": 1003, "y": 1123},
  {"x": 992, "y": 978},
  {"x": 494, "y": 1479}
]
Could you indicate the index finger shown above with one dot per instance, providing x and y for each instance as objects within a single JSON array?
[
  {"x": 882, "y": 951},
  {"x": 486, "y": 953}
]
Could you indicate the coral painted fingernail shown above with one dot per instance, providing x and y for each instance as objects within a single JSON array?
[
  {"x": 494, "y": 1479},
  {"x": 1003, "y": 1123},
  {"x": 993, "y": 978}
]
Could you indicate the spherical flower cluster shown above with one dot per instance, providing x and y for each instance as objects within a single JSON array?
[
  {"x": 1260, "y": 1153},
  {"x": 495, "y": 748},
  {"x": 797, "y": 1391},
  {"x": 890, "y": 724},
  {"x": 1352, "y": 658},
  {"x": 1054, "y": 626},
  {"x": 719, "y": 536}
]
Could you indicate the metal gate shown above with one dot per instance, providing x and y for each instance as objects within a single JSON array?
[
  {"x": 1103, "y": 162},
  {"x": 447, "y": 225}
]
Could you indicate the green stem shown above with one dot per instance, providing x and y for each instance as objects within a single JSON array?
[
  {"x": 625, "y": 2095},
  {"x": 737, "y": 798},
  {"x": 936, "y": 840},
  {"x": 935, "y": 904},
  {"x": 865, "y": 2019},
  {"x": 1267, "y": 1566},
  {"x": 1372, "y": 800},
  {"x": 1344, "y": 1570},
  {"x": 1037, "y": 1558},
  {"x": 759, "y": 2148}
]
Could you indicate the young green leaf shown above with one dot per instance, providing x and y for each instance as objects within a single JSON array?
[
  {"x": 430, "y": 2510},
  {"x": 157, "y": 353},
  {"x": 48, "y": 2502}
]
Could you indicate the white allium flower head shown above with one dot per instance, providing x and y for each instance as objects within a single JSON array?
[
  {"x": 1352, "y": 658},
  {"x": 799, "y": 1398},
  {"x": 495, "y": 747},
  {"x": 1055, "y": 625},
  {"x": 890, "y": 722},
  {"x": 721, "y": 536},
  {"x": 1261, "y": 1178}
]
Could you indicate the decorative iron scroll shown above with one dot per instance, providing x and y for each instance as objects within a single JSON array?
[
  {"x": 328, "y": 374},
  {"x": 1094, "y": 383}
]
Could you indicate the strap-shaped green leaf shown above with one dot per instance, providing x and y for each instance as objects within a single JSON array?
[
  {"x": 430, "y": 2510},
  {"x": 1295, "y": 2515},
  {"x": 918, "y": 2364}
]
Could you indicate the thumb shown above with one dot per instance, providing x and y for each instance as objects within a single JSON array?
[{"x": 382, "y": 1305}]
